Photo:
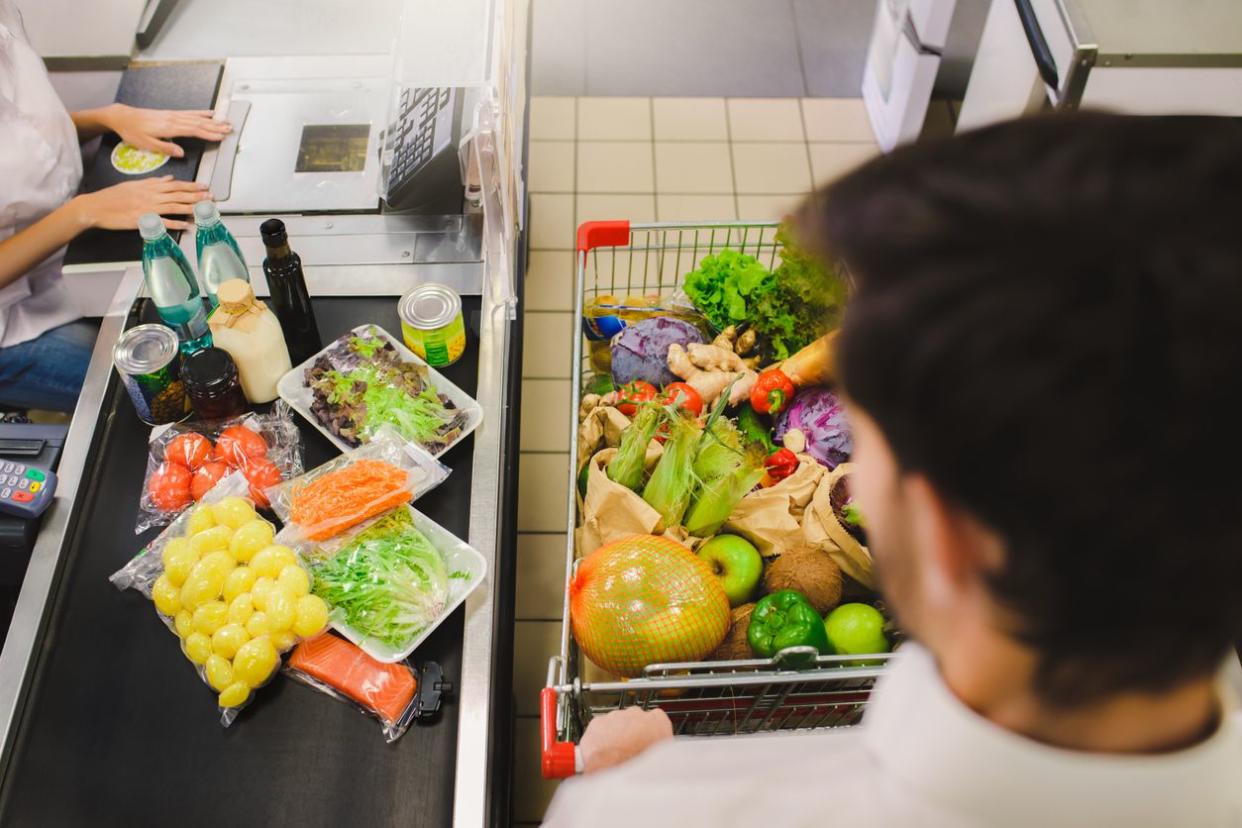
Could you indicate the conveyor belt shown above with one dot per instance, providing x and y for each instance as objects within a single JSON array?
[{"x": 119, "y": 730}]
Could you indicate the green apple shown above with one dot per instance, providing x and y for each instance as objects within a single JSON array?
[
  {"x": 737, "y": 564},
  {"x": 856, "y": 629}
]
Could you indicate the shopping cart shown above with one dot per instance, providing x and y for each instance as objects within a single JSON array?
[{"x": 710, "y": 698}]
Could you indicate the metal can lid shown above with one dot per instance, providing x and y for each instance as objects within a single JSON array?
[
  {"x": 145, "y": 349},
  {"x": 429, "y": 306}
]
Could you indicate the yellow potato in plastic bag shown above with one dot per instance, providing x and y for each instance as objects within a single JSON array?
[
  {"x": 167, "y": 597},
  {"x": 219, "y": 672},
  {"x": 200, "y": 519},
  {"x": 269, "y": 561},
  {"x": 234, "y": 695},
  {"x": 240, "y": 608},
  {"x": 239, "y": 580},
  {"x": 257, "y": 625},
  {"x": 178, "y": 562},
  {"x": 283, "y": 640},
  {"x": 197, "y": 647},
  {"x": 294, "y": 579},
  {"x": 255, "y": 661},
  {"x": 259, "y": 592},
  {"x": 233, "y": 512},
  {"x": 249, "y": 539},
  {"x": 215, "y": 539},
  {"x": 210, "y": 617},
  {"x": 281, "y": 609},
  {"x": 183, "y": 623},
  {"x": 312, "y": 616},
  {"x": 228, "y": 640}
]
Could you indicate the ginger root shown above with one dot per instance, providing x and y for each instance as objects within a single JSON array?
[{"x": 711, "y": 382}]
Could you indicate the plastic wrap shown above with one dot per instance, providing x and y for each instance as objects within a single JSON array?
[
  {"x": 381, "y": 475},
  {"x": 185, "y": 460},
  {"x": 234, "y": 598},
  {"x": 389, "y": 582},
  {"x": 386, "y": 692}
]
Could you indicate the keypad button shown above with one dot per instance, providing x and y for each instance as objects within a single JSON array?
[
  {"x": 23, "y": 483},
  {"x": 11, "y": 480},
  {"x": 23, "y": 497},
  {"x": 5, "y": 492},
  {"x": 35, "y": 486},
  {"x": 6, "y": 468},
  {"x": 35, "y": 474},
  {"x": 19, "y": 468}
]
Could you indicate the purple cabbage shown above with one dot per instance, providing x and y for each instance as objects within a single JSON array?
[
  {"x": 640, "y": 352},
  {"x": 820, "y": 416}
]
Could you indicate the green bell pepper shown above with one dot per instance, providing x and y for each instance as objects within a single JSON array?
[
  {"x": 754, "y": 428},
  {"x": 786, "y": 619}
]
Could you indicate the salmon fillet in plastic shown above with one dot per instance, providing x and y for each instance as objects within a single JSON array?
[{"x": 385, "y": 689}]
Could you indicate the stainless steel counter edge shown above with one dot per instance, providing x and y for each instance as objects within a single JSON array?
[{"x": 27, "y": 626}]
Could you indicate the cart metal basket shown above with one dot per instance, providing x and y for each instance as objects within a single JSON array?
[{"x": 709, "y": 698}]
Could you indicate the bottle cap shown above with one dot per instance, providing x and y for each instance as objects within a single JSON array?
[
  {"x": 206, "y": 213},
  {"x": 273, "y": 232},
  {"x": 235, "y": 296},
  {"x": 151, "y": 226}
]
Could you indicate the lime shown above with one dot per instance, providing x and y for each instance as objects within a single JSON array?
[{"x": 856, "y": 629}]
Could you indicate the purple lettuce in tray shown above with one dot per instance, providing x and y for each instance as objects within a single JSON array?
[{"x": 360, "y": 382}]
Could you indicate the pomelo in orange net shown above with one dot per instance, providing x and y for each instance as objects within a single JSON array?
[{"x": 646, "y": 599}]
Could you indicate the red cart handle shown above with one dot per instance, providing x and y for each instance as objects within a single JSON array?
[
  {"x": 592, "y": 234},
  {"x": 559, "y": 758}
]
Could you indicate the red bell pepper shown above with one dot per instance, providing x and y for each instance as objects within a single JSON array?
[
  {"x": 771, "y": 392},
  {"x": 779, "y": 465}
]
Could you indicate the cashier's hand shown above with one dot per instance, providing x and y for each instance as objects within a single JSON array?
[
  {"x": 118, "y": 207},
  {"x": 147, "y": 128},
  {"x": 621, "y": 735}
]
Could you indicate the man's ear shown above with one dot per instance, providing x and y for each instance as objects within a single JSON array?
[{"x": 954, "y": 547}]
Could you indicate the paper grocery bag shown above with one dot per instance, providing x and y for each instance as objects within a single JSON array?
[
  {"x": 771, "y": 518},
  {"x": 823, "y": 528},
  {"x": 600, "y": 430},
  {"x": 611, "y": 511}
]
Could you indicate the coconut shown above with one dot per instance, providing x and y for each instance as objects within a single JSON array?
[
  {"x": 735, "y": 646},
  {"x": 810, "y": 571}
]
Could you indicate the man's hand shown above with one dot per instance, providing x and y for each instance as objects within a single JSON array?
[
  {"x": 119, "y": 206},
  {"x": 145, "y": 128},
  {"x": 621, "y": 735}
]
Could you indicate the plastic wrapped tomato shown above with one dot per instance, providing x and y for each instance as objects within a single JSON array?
[
  {"x": 169, "y": 486},
  {"x": 208, "y": 475},
  {"x": 191, "y": 450},
  {"x": 260, "y": 474},
  {"x": 238, "y": 445}
]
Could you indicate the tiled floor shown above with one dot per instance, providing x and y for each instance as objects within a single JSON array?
[
  {"x": 722, "y": 47},
  {"x": 666, "y": 159}
]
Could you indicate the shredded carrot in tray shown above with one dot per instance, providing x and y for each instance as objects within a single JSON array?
[{"x": 345, "y": 497}]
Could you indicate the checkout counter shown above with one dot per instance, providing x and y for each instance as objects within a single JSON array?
[{"x": 102, "y": 719}]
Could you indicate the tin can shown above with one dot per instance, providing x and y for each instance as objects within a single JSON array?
[
  {"x": 146, "y": 357},
  {"x": 432, "y": 325}
]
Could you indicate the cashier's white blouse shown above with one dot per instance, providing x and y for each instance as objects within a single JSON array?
[
  {"x": 920, "y": 759},
  {"x": 40, "y": 169}
]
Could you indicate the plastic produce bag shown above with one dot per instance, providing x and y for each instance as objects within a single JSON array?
[
  {"x": 234, "y": 598},
  {"x": 387, "y": 472},
  {"x": 186, "y": 459},
  {"x": 389, "y": 582},
  {"x": 332, "y": 665}
]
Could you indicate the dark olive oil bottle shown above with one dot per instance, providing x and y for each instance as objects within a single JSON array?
[{"x": 287, "y": 286}]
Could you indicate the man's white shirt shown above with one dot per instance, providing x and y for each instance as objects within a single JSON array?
[{"x": 920, "y": 758}]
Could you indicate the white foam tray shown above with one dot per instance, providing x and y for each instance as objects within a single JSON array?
[{"x": 294, "y": 390}]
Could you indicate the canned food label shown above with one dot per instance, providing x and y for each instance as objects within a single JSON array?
[
  {"x": 437, "y": 353},
  {"x": 598, "y": 328}
]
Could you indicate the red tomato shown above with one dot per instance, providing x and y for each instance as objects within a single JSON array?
[
  {"x": 237, "y": 444},
  {"x": 633, "y": 393},
  {"x": 169, "y": 486},
  {"x": 190, "y": 450},
  {"x": 208, "y": 475},
  {"x": 261, "y": 473},
  {"x": 685, "y": 397}
]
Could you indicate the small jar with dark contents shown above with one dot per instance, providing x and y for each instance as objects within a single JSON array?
[{"x": 212, "y": 384}]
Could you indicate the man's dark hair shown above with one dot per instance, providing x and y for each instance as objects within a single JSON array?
[{"x": 1047, "y": 324}]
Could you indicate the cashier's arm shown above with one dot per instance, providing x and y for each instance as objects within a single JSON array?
[{"x": 117, "y": 207}]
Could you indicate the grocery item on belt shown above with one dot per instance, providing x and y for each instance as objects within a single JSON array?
[
  {"x": 186, "y": 460},
  {"x": 235, "y": 599},
  {"x": 391, "y": 581},
  {"x": 432, "y": 325},
  {"x": 365, "y": 380},
  {"x": 213, "y": 384},
  {"x": 148, "y": 361},
  {"x": 385, "y": 473},
  {"x": 334, "y": 666},
  {"x": 243, "y": 326}
]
